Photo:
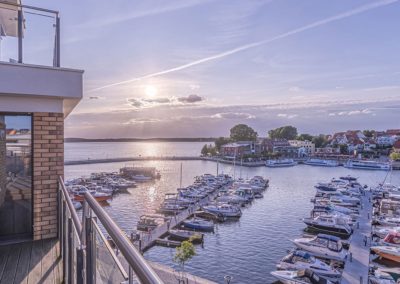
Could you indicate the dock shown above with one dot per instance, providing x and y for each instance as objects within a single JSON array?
[
  {"x": 357, "y": 264},
  {"x": 147, "y": 240}
]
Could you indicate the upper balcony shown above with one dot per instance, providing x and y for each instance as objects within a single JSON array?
[{"x": 31, "y": 76}]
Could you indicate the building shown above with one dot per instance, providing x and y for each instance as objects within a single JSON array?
[
  {"x": 234, "y": 150},
  {"x": 386, "y": 140},
  {"x": 396, "y": 147},
  {"x": 42, "y": 239},
  {"x": 305, "y": 148}
]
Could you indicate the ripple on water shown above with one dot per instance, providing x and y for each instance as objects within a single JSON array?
[{"x": 248, "y": 249}]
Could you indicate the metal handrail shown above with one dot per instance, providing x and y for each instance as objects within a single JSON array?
[
  {"x": 74, "y": 215},
  {"x": 142, "y": 269}
]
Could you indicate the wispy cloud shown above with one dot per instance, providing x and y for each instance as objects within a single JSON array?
[{"x": 347, "y": 14}]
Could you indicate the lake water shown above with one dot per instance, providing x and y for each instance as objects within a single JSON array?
[{"x": 247, "y": 249}]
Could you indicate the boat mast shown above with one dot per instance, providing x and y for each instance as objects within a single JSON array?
[{"x": 180, "y": 179}]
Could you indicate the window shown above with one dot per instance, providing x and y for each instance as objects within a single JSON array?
[{"x": 15, "y": 177}]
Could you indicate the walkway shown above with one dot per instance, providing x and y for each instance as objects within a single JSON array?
[
  {"x": 31, "y": 262},
  {"x": 148, "y": 239},
  {"x": 356, "y": 271}
]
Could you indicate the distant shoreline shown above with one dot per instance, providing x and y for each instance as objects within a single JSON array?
[{"x": 200, "y": 139}]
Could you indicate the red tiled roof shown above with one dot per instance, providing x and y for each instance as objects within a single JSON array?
[{"x": 397, "y": 144}]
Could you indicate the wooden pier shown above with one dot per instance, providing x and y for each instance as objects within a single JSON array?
[
  {"x": 147, "y": 240},
  {"x": 357, "y": 264}
]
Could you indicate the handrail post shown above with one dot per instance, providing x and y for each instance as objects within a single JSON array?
[
  {"x": 20, "y": 30},
  {"x": 58, "y": 45},
  {"x": 90, "y": 249},
  {"x": 70, "y": 250},
  {"x": 79, "y": 265}
]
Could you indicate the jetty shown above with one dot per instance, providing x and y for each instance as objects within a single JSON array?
[
  {"x": 149, "y": 239},
  {"x": 357, "y": 264}
]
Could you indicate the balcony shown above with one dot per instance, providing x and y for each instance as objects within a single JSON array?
[{"x": 31, "y": 76}]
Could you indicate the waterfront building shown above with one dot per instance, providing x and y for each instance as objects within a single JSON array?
[
  {"x": 306, "y": 148},
  {"x": 233, "y": 150},
  {"x": 396, "y": 146},
  {"x": 36, "y": 213}
]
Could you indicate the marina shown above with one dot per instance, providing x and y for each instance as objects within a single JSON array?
[{"x": 277, "y": 199}]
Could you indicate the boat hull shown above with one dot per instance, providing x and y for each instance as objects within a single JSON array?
[{"x": 329, "y": 230}]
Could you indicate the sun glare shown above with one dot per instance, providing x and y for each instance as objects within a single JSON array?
[{"x": 150, "y": 91}]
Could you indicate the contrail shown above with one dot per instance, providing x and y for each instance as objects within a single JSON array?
[{"x": 319, "y": 23}]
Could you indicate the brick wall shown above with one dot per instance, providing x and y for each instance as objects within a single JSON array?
[{"x": 48, "y": 164}]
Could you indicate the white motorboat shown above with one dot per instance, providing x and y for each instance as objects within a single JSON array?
[
  {"x": 387, "y": 221},
  {"x": 299, "y": 277},
  {"x": 299, "y": 259},
  {"x": 321, "y": 162},
  {"x": 388, "y": 252},
  {"x": 384, "y": 231},
  {"x": 280, "y": 163},
  {"x": 226, "y": 210},
  {"x": 367, "y": 165},
  {"x": 331, "y": 224},
  {"x": 323, "y": 246}
]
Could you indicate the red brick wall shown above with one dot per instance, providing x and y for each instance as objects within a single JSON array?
[{"x": 48, "y": 164}]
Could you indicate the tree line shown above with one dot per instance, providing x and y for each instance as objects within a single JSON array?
[{"x": 243, "y": 132}]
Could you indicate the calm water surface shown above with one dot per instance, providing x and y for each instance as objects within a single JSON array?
[{"x": 247, "y": 249}]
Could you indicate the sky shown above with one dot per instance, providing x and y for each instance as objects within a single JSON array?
[{"x": 195, "y": 68}]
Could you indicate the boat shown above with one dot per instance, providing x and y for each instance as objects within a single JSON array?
[
  {"x": 388, "y": 252},
  {"x": 99, "y": 196},
  {"x": 226, "y": 210},
  {"x": 182, "y": 235},
  {"x": 325, "y": 187},
  {"x": 330, "y": 224},
  {"x": 258, "y": 195},
  {"x": 210, "y": 216},
  {"x": 321, "y": 162},
  {"x": 367, "y": 165},
  {"x": 280, "y": 163},
  {"x": 149, "y": 222},
  {"x": 299, "y": 259},
  {"x": 384, "y": 231},
  {"x": 348, "y": 178},
  {"x": 299, "y": 277},
  {"x": 141, "y": 178},
  {"x": 387, "y": 221},
  {"x": 323, "y": 246},
  {"x": 392, "y": 239},
  {"x": 198, "y": 224}
]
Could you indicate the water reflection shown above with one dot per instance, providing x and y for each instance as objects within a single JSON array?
[{"x": 249, "y": 249}]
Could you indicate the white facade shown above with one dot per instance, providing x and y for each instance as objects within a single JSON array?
[
  {"x": 305, "y": 147},
  {"x": 386, "y": 140}
]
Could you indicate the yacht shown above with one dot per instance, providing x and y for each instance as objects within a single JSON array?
[
  {"x": 280, "y": 163},
  {"x": 198, "y": 224},
  {"x": 330, "y": 224},
  {"x": 325, "y": 187},
  {"x": 299, "y": 259},
  {"x": 384, "y": 231},
  {"x": 348, "y": 178},
  {"x": 323, "y": 246},
  {"x": 299, "y": 277},
  {"x": 387, "y": 221},
  {"x": 141, "y": 178},
  {"x": 226, "y": 210},
  {"x": 388, "y": 252},
  {"x": 367, "y": 165},
  {"x": 321, "y": 162}
]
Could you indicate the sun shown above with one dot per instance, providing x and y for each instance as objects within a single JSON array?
[{"x": 150, "y": 91}]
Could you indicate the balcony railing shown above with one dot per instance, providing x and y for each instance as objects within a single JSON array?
[
  {"x": 29, "y": 34},
  {"x": 83, "y": 246}
]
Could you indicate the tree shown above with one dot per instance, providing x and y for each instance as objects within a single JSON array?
[
  {"x": 369, "y": 133},
  {"x": 221, "y": 141},
  {"x": 285, "y": 132},
  {"x": 204, "y": 150},
  {"x": 395, "y": 156},
  {"x": 183, "y": 254},
  {"x": 344, "y": 149},
  {"x": 243, "y": 132},
  {"x": 320, "y": 141},
  {"x": 305, "y": 137}
]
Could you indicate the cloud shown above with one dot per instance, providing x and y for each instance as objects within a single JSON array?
[
  {"x": 190, "y": 99},
  {"x": 135, "y": 103},
  {"x": 233, "y": 115},
  {"x": 141, "y": 120},
  {"x": 294, "y": 89},
  {"x": 347, "y": 14},
  {"x": 352, "y": 112},
  {"x": 162, "y": 100},
  {"x": 288, "y": 116}
]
